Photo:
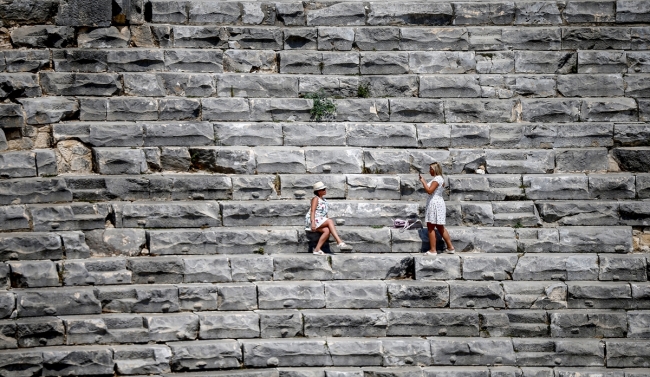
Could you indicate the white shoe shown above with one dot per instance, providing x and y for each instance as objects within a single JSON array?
[
  {"x": 452, "y": 251},
  {"x": 344, "y": 246},
  {"x": 431, "y": 253},
  {"x": 319, "y": 252}
]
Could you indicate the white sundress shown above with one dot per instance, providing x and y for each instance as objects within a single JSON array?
[
  {"x": 436, "y": 212},
  {"x": 320, "y": 215}
]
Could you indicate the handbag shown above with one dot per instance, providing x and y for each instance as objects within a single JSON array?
[{"x": 407, "y": 224}]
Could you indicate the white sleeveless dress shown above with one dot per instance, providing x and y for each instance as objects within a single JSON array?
[{"x": 436, "y": 211}]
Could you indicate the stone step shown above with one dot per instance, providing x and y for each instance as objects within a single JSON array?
[
  {"x": 253, "y": 268},
  {"x": 203, "y": 325},
  {"x": 563, "y": 354},
  {"x": 129, "y": 242},
  {"x": 459, "y": 187}
]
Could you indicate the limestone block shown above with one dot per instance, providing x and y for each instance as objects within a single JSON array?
[
  {"x": 206, "y": 269},
  {"x": 556, "y": 267},
  {"x": 218, "y": 325},
  {"x": 237, "y": 296},
  {"x": 405, "y": 352},
  {"x": 410, "y": 14},
  {"x": 18, "y": 164},
  {"x": 372, "y": 213},
  {"x": 362, "y": 110},
  {"x": 635, "y": 213},
  {"x": 611, "y": 109},
  {"x": 556, "y": 186},
  {"x": 515, "y": 323},
  {"x": 373, "y": 187},
  {"x": 132, "y": 109},
  {"x": 344, "y": 322},
  {"x": 178, "y": 133},
  {"x": 564, "y": 352},
  {"x": 105, "y": 329},
  {"x": 8, "y": 302},
  {"x": 395, "y": 371},
  {"x": 481, "y": 111},
  {"x": 537, "y": 13},
  {"x": 628, "y": 11},
  {"x": 8, "y": 335},
  {"x": 476, "y": 213},
  {"x": 34, "y": 332},
  {"x": 357, "y": 267},
  {"x": 167, "y": 215},
  {"x": 15, "y": 85},
  {"x": 46, "y": 163},
  {"x": 441, "y": 62},
  {"x": 376, "y": 135},
  {"x": 634, "y": 159},
  {"x": 589, "y": 11},
  {"x": 299, "y": 38},
  {"x": 485, "y": 187},
  {"x": 334, "y": 160},
  {"x": 178, "y": 109},
  {"x": 501, "y": 13},
  {"x": 186, "y": 241},
  {"x": 309, "y": 134},
  {"x": 409, "y": 241},
  {"x": 376, "y": 38},
  {"x": 83, "y": 216},
  {"x": 489, "y": 267},
  {"x": 636, "y": 61},
  {"x": 255, "y": 38},
  {"x": 643, "y": 186},
  {"x": 595, "y": 239},
  {"x": 109, "y": 37},
  {"x": 13, "y": 218},
  {"x": 74, "y": 361},
  {"x": 182, "y": 84},
  {"x": 100, "y": 271},
  {"x": 26, "y": 60},
  {"x": 171, "y": 327},
  {"x": 472, "y": 351},
  {"x": 291, "y": 14},
  {"x": 120, "y": 161},
  {"x": 284, "y": 160},
  {"x": 497, "y": 62},
  {"x": 188, "y": 60},
  {"x": 602, "y": 62},
  {"x": 59, "y": 301},
  {"x": 162, "y": 34},
  {"x": 421, "y": 110},
  {"x": 455, "y": 86},
  {"x": 285, "y": 352},
  {"x": 598, "y": 323},
  {"x": 355, "y": 351},
  {"x": 199, "y": 355},
  {"x": 302, "y": 62},
  {"x": 538, "y": 38},
  {"x": 42, "y": 36},
  {"x": 581, "y": 85},
  {"x": 335, "y": 38},
  {"x": 486, "y": 38},
  {"x": 254, "y": 187},
  {"x": 387, "y": 161},
  {"x": 245, "y": 61},
  {"x": 196, "y": 186},
  {"x": 251, "y": 268},
  {"x": 627, "y": 353},
  {"x": 289, "y": 295},
  {"x": 640, "y": 294},
  {"x": 599, "y": 295},
  {"x": 75, "y": 245},
  {"x": 383, "y": 63},
  {"x": 138, "y": 299},
  {"x": 37, "y": 190},
  {"x": 612, "y": 186},
  {"x": 280, "y": 110},
  {"x": 156, "y": 270},
  {"x": 12, "y": 116},
  {"x": 295, "y": 186},
  {"x": 141, "y": 359},
  {"x": 421, "y": 322},
  {"x": 356, "y": 294},
  {"x": 595, "y": 38},
  {"x": 227, "y": 160},
  {"x": 515, "y": 213},
  {"x": 637, "y": 324},
  {"x": 455, "y": 371},
  {"x": 551, "y": 110},
  {"x": 285, "y": 213},
  {"x": 443, "y": 267},
  {"x": 579, "y": 212},
  {"x": 80, "y": 84},
  {"x": 257, "y": 86},
  {"x": 280, "y": 323},
  {"x": 631, "y": 135},
  {"x": 339, "y": 63},
  {"x": 418, "y": 294},
  {"x": 198, "y": 297},
  {"x": 336, "y": 14},
  {"x": 301, "y": 267},
  {"x": 465, "y": 294}
]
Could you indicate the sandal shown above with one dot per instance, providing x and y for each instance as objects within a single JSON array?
[
  {"x": 344, "y": 246},
  {"x": 318, "y": 252},
  {"x": 448, "y": 251},
  {"x": 431, "y": 252}
]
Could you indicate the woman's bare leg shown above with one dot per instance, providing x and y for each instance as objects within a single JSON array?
[
  {"x": 431, "y": 228},
  {"x": 329, "y": 224},
  {"x": 445, "y": 236},
  {"x": 325, "y": 234}
]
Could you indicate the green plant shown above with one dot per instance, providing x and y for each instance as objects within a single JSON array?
[
  {"x": 260, "y": 251},
  {"x": 363, "y": 91},
  {"x": 323, "y": 108},
  {"x": 518, "y": 225}
]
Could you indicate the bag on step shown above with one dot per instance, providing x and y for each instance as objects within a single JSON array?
[{"x": 407, "y": 224}]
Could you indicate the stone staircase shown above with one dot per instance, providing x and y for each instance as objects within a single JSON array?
[{"x": 157, "y": 158}]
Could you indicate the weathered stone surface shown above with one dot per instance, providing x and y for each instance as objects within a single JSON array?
[
  {"x": 450, "y": 351},
  {"x": 138, "y": 299},
  {"x": 444, "y": 267},
  {"x": 301, "y": 268},
  {"x": 355, "y": 295},
  {"x": 42, "y": 36},
  {"x": 565, "y": 352},
  {"x": 34, "y": 332},
  {"x": 110, "y": 37},
  {"x": 441, "y": 62},
  {"x": 635, "y": 159},
  {"x": 101, "y": 271},
  {"x": 324, "y": 14},
  {"x": 611, "y": 186},
  {"x": 343, "y": 322},
  {"x": 556, "y": 267},
  {"x": 38, "y": 190},
  {"x": 280, "y": 323},
  {"x": 418, "y": 294},
  {"x": 56, "y": 301},
  {"x": 141, "y": 359},
  {"x": 584, "y": 159},
  {"x": 237, "y": 296},
  {"x": 627, "y": 353},
  {"x": 34, "y": 274},
  {"x": 17, "y": 164},
  {"x": 501, "y": 13},
  {"x": 613, "y": 109},
  {"x": 276, "y": 352},
  {"x": 288, "y": 295},
  {"x": 481, "y": 111},
  {"x": 590, "y": 11},
  {"x": 355, "y": 267},
  {"x": 73, "y": 361},
  {"x": 198, "y": 297},
  {"x": 245, "y": 61},
  {"x": 579, "y": 212},
  {"x": 198, "y": 355},
  {"x": 515, "y": 323},
  {"x": 464, "y": 294},
  {"x": 489, "y": 267},
  {"x": 595, "y": 239},
  {"x": 599, "y": 295},
  {"x": 120, "y": 161},
  {"x": 550, "y": 110},
  {"x": 167, "y": 215}
]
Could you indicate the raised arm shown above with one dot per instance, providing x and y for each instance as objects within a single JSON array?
[{"x": 429, "y": 188}]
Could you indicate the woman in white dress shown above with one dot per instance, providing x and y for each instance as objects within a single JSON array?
[
  {"x": 436, "y": 211},
  {"x": 316, "y": 219}
]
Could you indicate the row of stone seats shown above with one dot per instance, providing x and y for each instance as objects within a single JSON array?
[
  {"x": 449, "y": 355},
  {"x": 111, "y": 242},
  {"x": 293, "y": 323},
  {"x": 467, "y": 188},
  {"x": 352, "y": 294},
  {"x": 219, "y": 269},
  {"x": 230, "y": 213}
]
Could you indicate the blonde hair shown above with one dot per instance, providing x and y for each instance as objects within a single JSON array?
[{"x": 437, "y": 168}]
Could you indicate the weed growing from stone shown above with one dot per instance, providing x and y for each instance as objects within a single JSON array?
[
  {"x": 363, "y": 91},
  {"x": 324, "y": 108}
]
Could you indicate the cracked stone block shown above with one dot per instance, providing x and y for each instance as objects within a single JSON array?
[
  {"x": 110, "y": 37},
  {"x": 515, "y": 323},
  {"x": 27, "y": 191},
  {"x": 443, "y": 267},
  {"x": 105, "y": 329},
  {"x": 280, "y": 323},
  {"x": 599, "y": 295},
  {"x": 594, "y": 239},
  {"x": 489, "y": 267},
  {"x": 74, "y": 361},
  {"x": 27, "y": 60},
  {"x": 247, "y": 61},
  {"x": 219, "y": 325},
  {"x": 291, "y": 14},
  {"x": 472, "y": 351},
  {"x": 138, "y": 299},
  {"x": 167, "y": 215},
  {"x": 353, "y": 267},
  {"x": 464, "y": 294},
  {"x": 80, "y": 84},
  {"x": 308, "y": 267},
  {"x": 355, "y": 294},
  {"x": 557, "y": 267},
  {"x": 209, "y": 354},
  {"x": 325, "y": 14},
  {"x": 57, "y": 301},
  {"x": 596, "y": 323},
  {"x": 237, "y": 296},
  {"x": 627, "y": 353},
  {"x": 538, "y": 240},
  {"x": 207, "y": 12},
  {"x": 198, "y": 297},
  {"x": 160, "y": 270},
  {"x": 622, "y": 267},
  {"x": 418, "y": 294},
  {"x": 251, "y": 268},
  {"x": 206, "y": 269},
  {"x": 83, "y": 216},
  {"x": 43, "y": 36},
  {"x": 355, "y": 351},
  {"x": 141, "y": 359},
  {"x": 39, "y": 332},
  {"x": 18, "y": 164},
  {"x": 344, "y": 323},
  {"x": 172, "y": 327},
  {"x": 579, "y": 212}
]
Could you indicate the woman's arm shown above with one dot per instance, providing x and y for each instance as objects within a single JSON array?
[
  {"x": 429, "y": 188},
  {"x": 312, "y": 212}
]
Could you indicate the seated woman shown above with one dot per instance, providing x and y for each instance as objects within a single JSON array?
[{"x": 316, "y": 219}]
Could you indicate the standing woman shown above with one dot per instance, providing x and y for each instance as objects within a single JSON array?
[
  {"x": 436, "y": 211},
  {"x": 316, "y": 219}
]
